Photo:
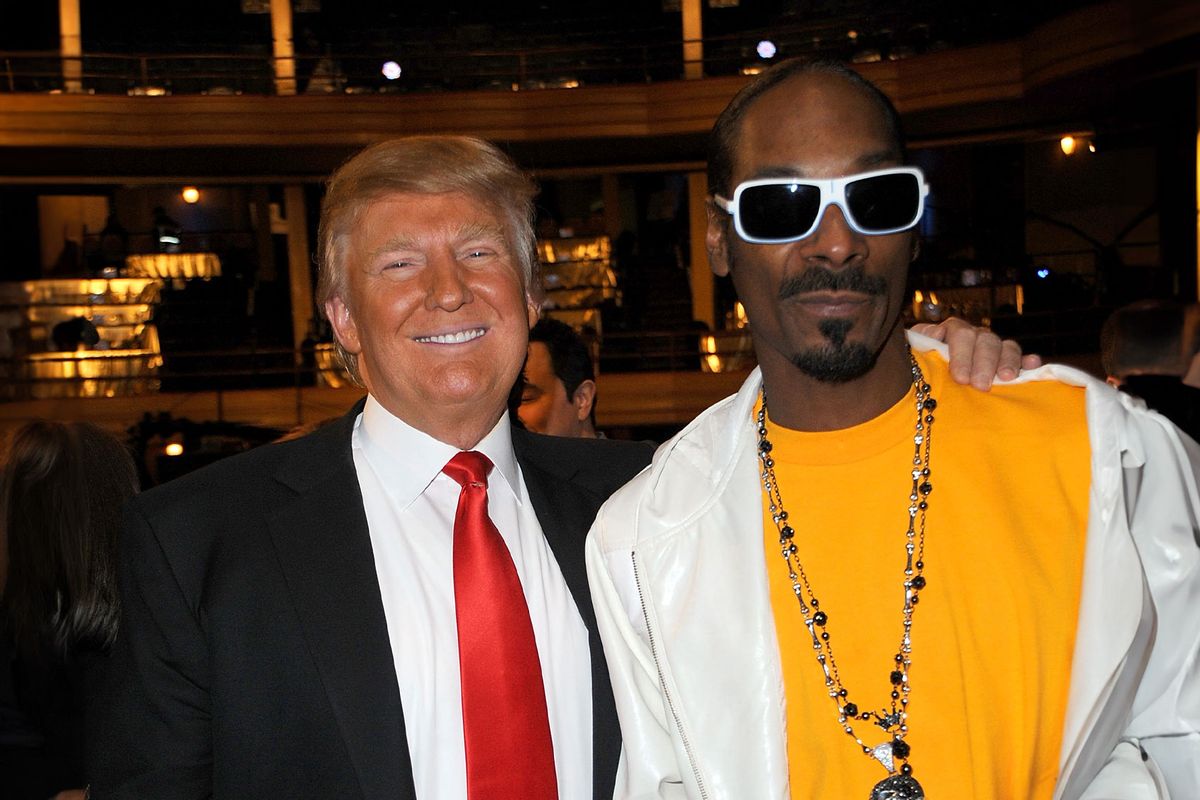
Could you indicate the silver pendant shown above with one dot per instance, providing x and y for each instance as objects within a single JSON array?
[
  {"x": 898, "y": 787},
  {"x": 883, "y": 754}
]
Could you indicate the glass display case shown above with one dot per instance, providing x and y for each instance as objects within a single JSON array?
[
  {"x": 578, "y": 276},
  {"x": 79, "y": 337}
]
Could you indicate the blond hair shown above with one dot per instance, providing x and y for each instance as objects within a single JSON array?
[{"x": 422, "y": 165}]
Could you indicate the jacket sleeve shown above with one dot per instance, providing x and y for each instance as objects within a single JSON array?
[
  {"x": 1163, "y": 508},
  {"x": 149, "y": 728},
  {"x": 649, "y": 767}
]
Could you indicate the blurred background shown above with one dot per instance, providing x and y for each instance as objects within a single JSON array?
[{"x": 161, "y": 168}]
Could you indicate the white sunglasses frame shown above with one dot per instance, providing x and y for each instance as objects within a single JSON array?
[{"x": 833, "y": 192}]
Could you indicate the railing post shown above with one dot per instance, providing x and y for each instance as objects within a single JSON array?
[
  {"x": 693, "y": 40},
  {"x": 283, "y": 47},
  {"x": 71, "y": 45}
]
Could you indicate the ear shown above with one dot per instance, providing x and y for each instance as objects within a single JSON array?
[
  {"x": 344, "y": 327},
  {"x": 585, "y": 396},
  {"x": 716, "y": 240},
  {"x": 533, "y": 310}
]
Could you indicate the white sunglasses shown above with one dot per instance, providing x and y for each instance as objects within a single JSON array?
[{"x": 779, "y": 210}]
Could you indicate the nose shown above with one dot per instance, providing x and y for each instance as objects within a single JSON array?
[
  {"x": 834, "y": 243},
  {"x": 448, "y": 288}
]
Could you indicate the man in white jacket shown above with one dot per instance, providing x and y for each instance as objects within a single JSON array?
[{"x": 788, "y": 606}]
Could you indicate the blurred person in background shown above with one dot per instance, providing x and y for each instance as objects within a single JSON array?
[
  {"x": 1148, "y": 350},
  {"x": 559, "y": 392},
  {"x": 60, "y": 508}
]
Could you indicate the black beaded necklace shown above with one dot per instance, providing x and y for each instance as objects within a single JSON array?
[{"x": 894, "y": 753}]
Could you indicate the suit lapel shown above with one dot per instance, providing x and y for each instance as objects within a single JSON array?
[
  {"x": 324, "y": 550},
  {"x": 565, "y": 511}
]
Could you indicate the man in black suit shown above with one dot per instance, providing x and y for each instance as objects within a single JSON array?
[
  {"x": 288, "y": 622},
  {"x": 292, "y": 623}
]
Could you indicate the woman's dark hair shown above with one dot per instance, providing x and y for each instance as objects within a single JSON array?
[{"x": 60, "y": 509}]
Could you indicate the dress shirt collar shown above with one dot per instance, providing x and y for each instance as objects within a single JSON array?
[{"x": 408, "y": 460}]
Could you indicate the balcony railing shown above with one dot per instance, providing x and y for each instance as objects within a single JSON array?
[{"x": 436, "y": 61}]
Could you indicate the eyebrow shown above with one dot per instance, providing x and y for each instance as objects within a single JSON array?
[{"x": 468, "y": 231}]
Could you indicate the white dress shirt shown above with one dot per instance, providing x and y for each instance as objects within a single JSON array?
[{"x": 410, "y": 507}]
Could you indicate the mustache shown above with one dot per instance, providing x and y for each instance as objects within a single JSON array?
[{"x": 819, "y": 279}]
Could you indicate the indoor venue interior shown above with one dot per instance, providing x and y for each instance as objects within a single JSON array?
[{"x": 162, "y": 166}]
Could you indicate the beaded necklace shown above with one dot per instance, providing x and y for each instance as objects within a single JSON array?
[{"x": 894, "y": 753}]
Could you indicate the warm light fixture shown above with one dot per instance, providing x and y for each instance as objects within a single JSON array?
[
  {"x": 1072, "y": 143},
  {"x": 925, "y": 307},
  {"x": 708, "y": 346},
  {"x": 173, "y": 449},
  {"x": 190, "y": 195}
]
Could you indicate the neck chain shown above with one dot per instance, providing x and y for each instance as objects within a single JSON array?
[{"x": 894, "y": 753}]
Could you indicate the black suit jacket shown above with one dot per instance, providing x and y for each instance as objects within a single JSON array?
[{"x": 253, "y": 657}]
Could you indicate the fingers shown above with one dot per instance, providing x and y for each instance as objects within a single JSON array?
[
  {"x": 931, "y": 330},
  {"x": 977, "y": 356},
  {"x": 1010, "y": 360},
  {"x": 970, "y": 352},
  {"x": 987, "y": 359}
]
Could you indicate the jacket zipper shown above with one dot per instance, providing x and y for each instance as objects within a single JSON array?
[{"x": 687, "y": 746}]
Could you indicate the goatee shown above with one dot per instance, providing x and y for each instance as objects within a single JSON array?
[{"x": 836, "y": 361}]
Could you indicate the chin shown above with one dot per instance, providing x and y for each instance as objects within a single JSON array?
[
  {"x": 836, "y": 358},
  {"x": 836, "y": 364}
]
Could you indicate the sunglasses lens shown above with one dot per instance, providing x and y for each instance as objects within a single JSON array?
[
  {"x": 884, "y": 202},
  {"x": 778, "y": 211}
]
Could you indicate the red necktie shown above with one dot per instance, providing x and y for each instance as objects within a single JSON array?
[{"x": 506, "y": 729}]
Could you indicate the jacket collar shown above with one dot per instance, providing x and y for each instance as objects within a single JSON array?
[{"x": 1116, "y": 614}]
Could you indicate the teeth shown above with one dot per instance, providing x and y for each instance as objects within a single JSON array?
[{"x": 452, "y": 338}]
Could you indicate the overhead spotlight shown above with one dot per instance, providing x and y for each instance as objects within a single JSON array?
[
  {"x": 190, "y": 195},
  {"x": 1091, "y": 147},
  {"x": 766, "y": 49},
  {"x": 1069, "y": 144},
  {"x": 391, "y": 70},
  {"x": 173, "y": 449}
]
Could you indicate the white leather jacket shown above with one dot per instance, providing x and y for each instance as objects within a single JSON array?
[{"x": 676, "y": 556}]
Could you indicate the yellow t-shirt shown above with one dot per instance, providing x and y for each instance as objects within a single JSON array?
[{"x": 994, "y": 630}]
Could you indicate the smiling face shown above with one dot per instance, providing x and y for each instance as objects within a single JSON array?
[
  {"x": 829, "y": 303},
  {"x": 435, "y": 311}
]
